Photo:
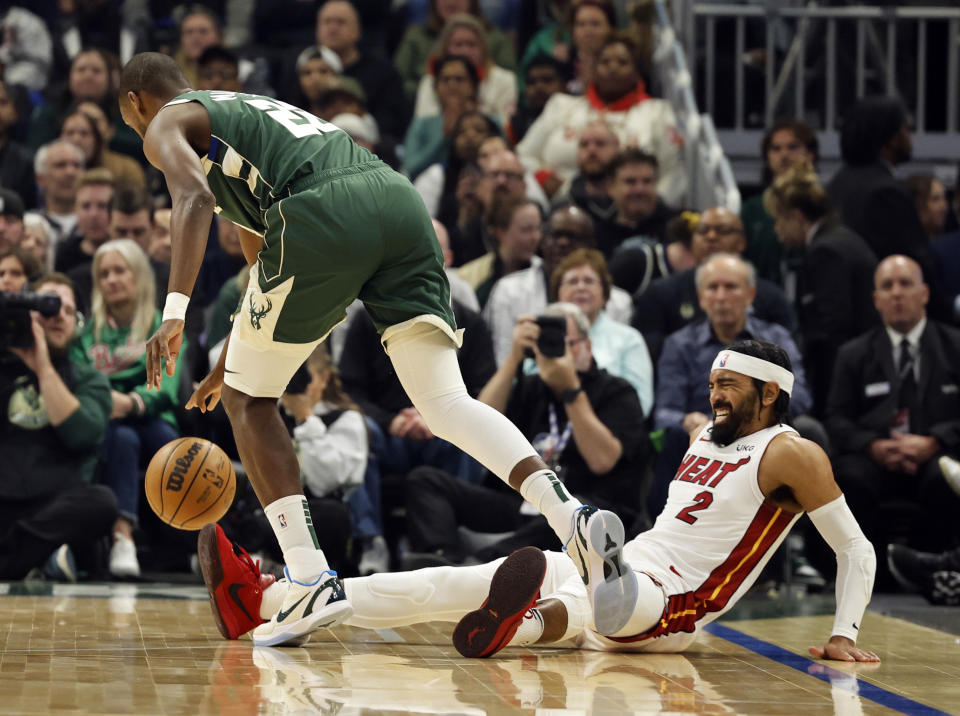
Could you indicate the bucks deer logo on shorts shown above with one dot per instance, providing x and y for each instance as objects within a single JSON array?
[{"x": 258, "y": 311}]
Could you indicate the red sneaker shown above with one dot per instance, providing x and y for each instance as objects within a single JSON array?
[
  {"x": 514, "y": 589},
  {"x": 233, "y": 580}
]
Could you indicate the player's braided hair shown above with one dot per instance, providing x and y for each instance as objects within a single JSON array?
[
  {"x": 776, "y": 355},
  {"x": 153, "y": 73}
]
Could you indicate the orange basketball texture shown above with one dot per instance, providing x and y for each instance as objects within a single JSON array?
[{"x": 190, "y": 483}]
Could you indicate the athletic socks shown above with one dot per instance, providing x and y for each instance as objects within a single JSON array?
[
  {"x": 544, "y": 491},
  {"x": 530, "y": 629},
  {"x": 291, "y": 522}
]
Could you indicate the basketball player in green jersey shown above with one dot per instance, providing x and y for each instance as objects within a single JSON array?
[{"x": 322, "y": 222}]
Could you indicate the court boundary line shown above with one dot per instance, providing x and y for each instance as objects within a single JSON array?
[{"x": 850, "y": 683}]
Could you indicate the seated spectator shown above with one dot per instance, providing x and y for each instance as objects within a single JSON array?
[
  {"x": 17, "y": 269},
  {"x": 57, "y": 413},
  {"x": 123, "y": 316},
  {"x": 11, "y": 219},
  {"x": 338, "y": 28},
  {"x": 576, "y": 39},
  {"x": 464, "y": 35},
  {"x": 438, "y": 184},
  {"x": 582, "y": 279},
  {"x": 369, "y": 380},
  {"x": 94, "y": 195},
  {"x": 586, "y": 422},
  {"x": 930, "y": 199},
  {"x": 545, "y": 77},
  {"x": 619, "y": 96},
  {"x": 429, "y": 137},
  {"x": 36, "y": 241},
  {"x": 527, "y": 292},
  {"x": 785, "y": 143},
  {"x": 158, "y": 247},
  {"x": 344, "y": 95},
  {"x": 419, "y": 40},
  {"x": 500, "y": 176},
  {"x": 331, "y": 438},
  {"x": 835, "y": 280},
  {"x": 460, "y": 290},
  {"x": 317, "y": 69},
  {"x": 218, "y": 69},
  {"x": 893, "y": 409},
  {"x": 597, "y": 145},
  {"x": 57, "y": 166},
  {"x": 671, "y": 303},
  {"x": 199, "y": 29},
  {"x": 126, "y": 171},
  {"x": 16, "y": 161},
  {"x": 27, "y": 49},
  {"x": 514, "y": 223},
  {"x": 90, "y": 80},
  {"x": 634, "y": 241}
]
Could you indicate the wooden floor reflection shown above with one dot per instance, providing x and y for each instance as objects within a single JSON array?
[{"x": 153, "y": 650}]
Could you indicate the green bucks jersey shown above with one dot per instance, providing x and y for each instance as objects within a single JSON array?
[{"x": 263, "y": 150}]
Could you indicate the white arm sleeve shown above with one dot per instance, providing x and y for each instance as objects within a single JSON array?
[{"x": 856, "y": 563}]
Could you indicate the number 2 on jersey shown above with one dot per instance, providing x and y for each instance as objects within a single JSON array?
[{"x": 701, "y": 502}]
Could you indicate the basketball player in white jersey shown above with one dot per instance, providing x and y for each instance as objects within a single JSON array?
[{"x": 744, "y": 481}]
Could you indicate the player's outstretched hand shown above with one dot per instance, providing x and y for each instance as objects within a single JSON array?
[
  {"x": 163, "y": 349},
  {"x": 840, "y": 648},
  {"x": 206, "y": 395}
]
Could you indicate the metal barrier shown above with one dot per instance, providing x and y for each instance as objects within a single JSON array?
[
  {"x": 813, "y": 62},
  {"x": 710, "y": 177}
]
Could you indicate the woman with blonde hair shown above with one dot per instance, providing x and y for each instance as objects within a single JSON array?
[
  {"x": 497, "y": 92},
  {"x": 124, "y": 315}
]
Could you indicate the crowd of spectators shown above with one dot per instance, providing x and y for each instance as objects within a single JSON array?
[{"x": 557, "y": 183}]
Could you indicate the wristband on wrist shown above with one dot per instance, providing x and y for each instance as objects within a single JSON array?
[{"x": 175, "y": 306}]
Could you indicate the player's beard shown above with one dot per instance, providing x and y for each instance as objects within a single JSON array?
[{"x": 727, "y": 431}]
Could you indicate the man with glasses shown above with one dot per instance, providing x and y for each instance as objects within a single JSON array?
[
  {"x": 525, "y": 292},
  {"x": 671, "y": 303},
  {"x": 581, "y": 419}
]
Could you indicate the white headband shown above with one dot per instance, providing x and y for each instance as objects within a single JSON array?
[{"x": 755, "y": 368}]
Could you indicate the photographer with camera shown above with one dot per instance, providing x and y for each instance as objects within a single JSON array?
[
  {"x": 583, "y": 421},
  {"x": 56, "y": 414}
]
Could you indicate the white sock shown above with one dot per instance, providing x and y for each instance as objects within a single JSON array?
[
  {"x": 530, "y": 629},
  {"x": 291, "y": 522},
  {"x": 544, "y": 491},
  {"x": 272, "y": 600}
]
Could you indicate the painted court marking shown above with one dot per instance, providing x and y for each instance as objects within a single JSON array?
[{"x": 819, "y": 670}]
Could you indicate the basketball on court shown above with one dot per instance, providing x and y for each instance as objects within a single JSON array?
[{"x": 190, "y": 483}]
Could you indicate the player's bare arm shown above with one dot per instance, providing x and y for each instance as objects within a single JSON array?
[
  {"x": 207, "y": 393},
  {"x": 797, "y": 475},
  {"x": 171, "y": 143}
]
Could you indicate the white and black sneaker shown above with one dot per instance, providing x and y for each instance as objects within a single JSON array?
[
  {"x": 596, "y": 548},
  {"x": 306, "y": 608}
]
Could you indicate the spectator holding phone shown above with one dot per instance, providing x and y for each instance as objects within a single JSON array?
[{"x": 583, "y": 421}]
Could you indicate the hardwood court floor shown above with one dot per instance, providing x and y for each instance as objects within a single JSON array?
[{"x": 153, "y": 649}]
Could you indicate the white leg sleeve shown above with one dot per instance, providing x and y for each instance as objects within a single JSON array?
[
  {"x": 426, "y": 364},
  {"x": 392, "y": 599}
]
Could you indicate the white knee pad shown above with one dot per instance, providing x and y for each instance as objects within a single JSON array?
[{"x": 425, "y": 360}]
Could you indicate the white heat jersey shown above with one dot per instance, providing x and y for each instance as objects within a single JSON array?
[{"x": 715, "y": 533}]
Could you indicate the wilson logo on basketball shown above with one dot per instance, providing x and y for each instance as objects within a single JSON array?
[{"x": 182, "y": 464}]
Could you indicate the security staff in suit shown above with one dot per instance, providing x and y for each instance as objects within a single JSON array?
[
  {"x": 894, "y": 408},
  {"x": 835, "y": 277}
]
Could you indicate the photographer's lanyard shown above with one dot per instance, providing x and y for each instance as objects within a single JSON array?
[{"x": 558, "y": 441}]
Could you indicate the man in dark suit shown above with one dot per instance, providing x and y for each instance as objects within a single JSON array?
[
  {"x": 876, "y": 138},
  {"x": 894, "y": 408},
  {"x": 671, "y": 302},
  {"x": 835, "y": 280}
]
